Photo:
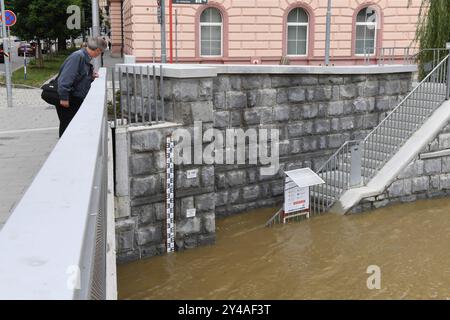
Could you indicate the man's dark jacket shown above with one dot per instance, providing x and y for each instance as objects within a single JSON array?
[{"x": 75, "y": 76}]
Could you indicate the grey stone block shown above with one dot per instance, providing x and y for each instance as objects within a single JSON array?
[
  {"x": 322, "y": 126},
  {"x": 262, "y": 98},
  {"x": 310, "y": 144},
  {"x": 205, "y": 90},
  {"x": 221, "y": 198},
  {"x": 236, "y": 178},
  {"x": 208, "y": 176},
  {"x": 188, "y": 227},
  {"x": 252, "y": 175},
  {"x": 337, "y": 140},
  {"x": 186, "y": 90},
  {"x": 347, "y": 123},
  {"x": 444, "y": 141},
  {"x": 281, "y": 113},
  {"x": 147, "y": 186},
  {"x": 335, "y": 108},
  {"x": 296, "y": 130},
  {"x": 250, "y": 193},
  {"x": 159, "y": 210},
  {"x": 221, "y": 119},
  {"x": 296, "y": 146},
  {"x": 364, "y": 105},
  {"x": 434, "y": 182},
  {"x": 142, "y": 164},
  {"x": 398, "y": 188},
  {"x": 309, "y": 80},
  {"x": 258, "y": 116},
  {"x": 310, "y": 111},
  {"x": 322, "y": 93},
  {"x": 420, "y": 184},
  {"x": 348, "y": 91},
  {"x": 149, "y": 234},
  {"x": 331, "y": 80},
  {"x": 209, "y": 222},
  {"x": 219, "y": 100},
  {"x": 432, "y": 166},
  {"x": 236, "y": 99},
  {"x": 445, "y": 164},
  {"x": 205, "y": 202},
  {"x": 206, "y": 239},
  {"x": 444, "y": 181},
  {"x": 144, "y": 213},
  {"x": 414, "y": 169},
  {"x": 202, "y": 111},
  {"x": 296, "y": 94},
  {"x": 383, "y": 104},
  {"x": 147, "y": 140},
  {"x": 381, "y": 204},
  {"x": 234, "y": 195},
  {"x": 249, "y": 82}
]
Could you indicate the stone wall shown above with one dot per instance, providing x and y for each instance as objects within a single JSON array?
[
  {"x": 427, "y": 176},
  {"x": 315, "y": 114}
]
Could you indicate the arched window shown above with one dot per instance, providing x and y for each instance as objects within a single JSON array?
[
  {"x": 366, "y": 31},
  {"x": 211, "y": 32},
  {"x": 297, "y": 32}
]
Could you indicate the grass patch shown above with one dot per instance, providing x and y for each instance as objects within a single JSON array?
[{"x": 36, "y": 76}]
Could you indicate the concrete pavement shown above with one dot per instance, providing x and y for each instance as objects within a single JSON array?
[{"x": 28, "y": 133}]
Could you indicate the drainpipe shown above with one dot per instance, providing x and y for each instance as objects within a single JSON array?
[
  {"x": 121, "y": 28},
  {"x": 327, "y": 36}
]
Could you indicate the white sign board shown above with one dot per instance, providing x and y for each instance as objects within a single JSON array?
[{"x": 295, "y": 198}]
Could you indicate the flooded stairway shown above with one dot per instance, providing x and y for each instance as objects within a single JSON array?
[{"x": 361, "y": 168}]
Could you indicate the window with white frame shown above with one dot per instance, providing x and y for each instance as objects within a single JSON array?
[
  {"x": 366, "y": 31},
  {"x": 211, "y": 32},
  {"x": 297, "y": 32}
]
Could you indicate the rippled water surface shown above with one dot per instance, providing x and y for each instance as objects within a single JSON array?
[{"x": 325, "y": 257}]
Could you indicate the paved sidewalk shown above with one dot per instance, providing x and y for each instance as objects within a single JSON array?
[{"x": 28, "y": 133}]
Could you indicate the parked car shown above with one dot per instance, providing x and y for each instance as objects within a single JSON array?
[{"x": 26, "y": 48}]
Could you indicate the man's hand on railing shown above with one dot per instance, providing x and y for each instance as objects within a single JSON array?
[{"x": 95, "y": 75}]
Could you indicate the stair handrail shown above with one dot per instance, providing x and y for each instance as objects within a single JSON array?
[
  {"x": 393, "y": 112},
  {"x": 406, "y": 98}
]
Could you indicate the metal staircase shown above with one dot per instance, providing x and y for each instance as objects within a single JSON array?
[{"x": 356, "y": 162}]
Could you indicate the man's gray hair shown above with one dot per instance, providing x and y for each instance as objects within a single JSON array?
[{"x": 97, "y": 43}]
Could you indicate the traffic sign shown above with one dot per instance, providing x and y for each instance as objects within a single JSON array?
[
  {"x": 189, "y": 1},
  {"x": 10, "y": 18}
]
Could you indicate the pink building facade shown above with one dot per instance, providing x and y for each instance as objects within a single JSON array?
[{"x": 266, "y": 31}]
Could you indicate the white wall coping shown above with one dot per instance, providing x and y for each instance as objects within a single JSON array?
[
  {"x": 41, "y": 244},
  {"x": 212, "y": 70}
]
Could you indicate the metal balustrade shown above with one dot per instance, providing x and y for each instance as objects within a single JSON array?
[
  {"x": 55, "y": 243},
  {"x": 138, "y": 94},
  {"x": 356, "y": 162}
]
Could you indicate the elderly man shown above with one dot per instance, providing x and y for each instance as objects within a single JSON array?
[{"x": 75, "y": 78}]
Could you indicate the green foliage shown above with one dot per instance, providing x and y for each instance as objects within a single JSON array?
[{"x": 433, "y": 29}]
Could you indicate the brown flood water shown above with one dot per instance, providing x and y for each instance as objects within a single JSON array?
[{"x": 325, "y": 257}]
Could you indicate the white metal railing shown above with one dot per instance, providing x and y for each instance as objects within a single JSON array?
[
  {"x": 356, "y": 162},
  {"x": 53, "y": 246}
]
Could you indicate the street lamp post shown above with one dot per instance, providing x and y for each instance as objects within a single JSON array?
[
  {"x": 95, "y": 28},
  {"x": 7, "y": 50}
]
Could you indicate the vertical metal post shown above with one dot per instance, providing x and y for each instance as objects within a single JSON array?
[
  {"x": 161, "y": 92},
  {"x": 6, "y": 47},
  {"x": 163, "y": 32},
  {"x": 448, "y": 71},
  {"x": 355, "y": 165},
  {"x": 176, "y": 36},
  {"x": 95, "y": 28},
  {"x": 327, "y": 36},
  {"x": 155, "y": 94},
  {"x": 114, "y": 96}
]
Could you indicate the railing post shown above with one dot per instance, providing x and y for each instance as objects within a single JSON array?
[
  {"x": 448, "y": 71},
  {"x": 355, "y": 165}
]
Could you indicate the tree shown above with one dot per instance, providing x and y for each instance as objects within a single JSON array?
[
  {"x": 42, "y": 19},
  {"x": 433, "y": 29}
]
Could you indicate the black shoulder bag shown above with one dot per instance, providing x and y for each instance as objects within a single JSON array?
[{"x": 50, "y": 91}]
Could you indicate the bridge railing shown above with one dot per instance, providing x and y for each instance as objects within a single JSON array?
[{"x": 54, "y": 245}]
